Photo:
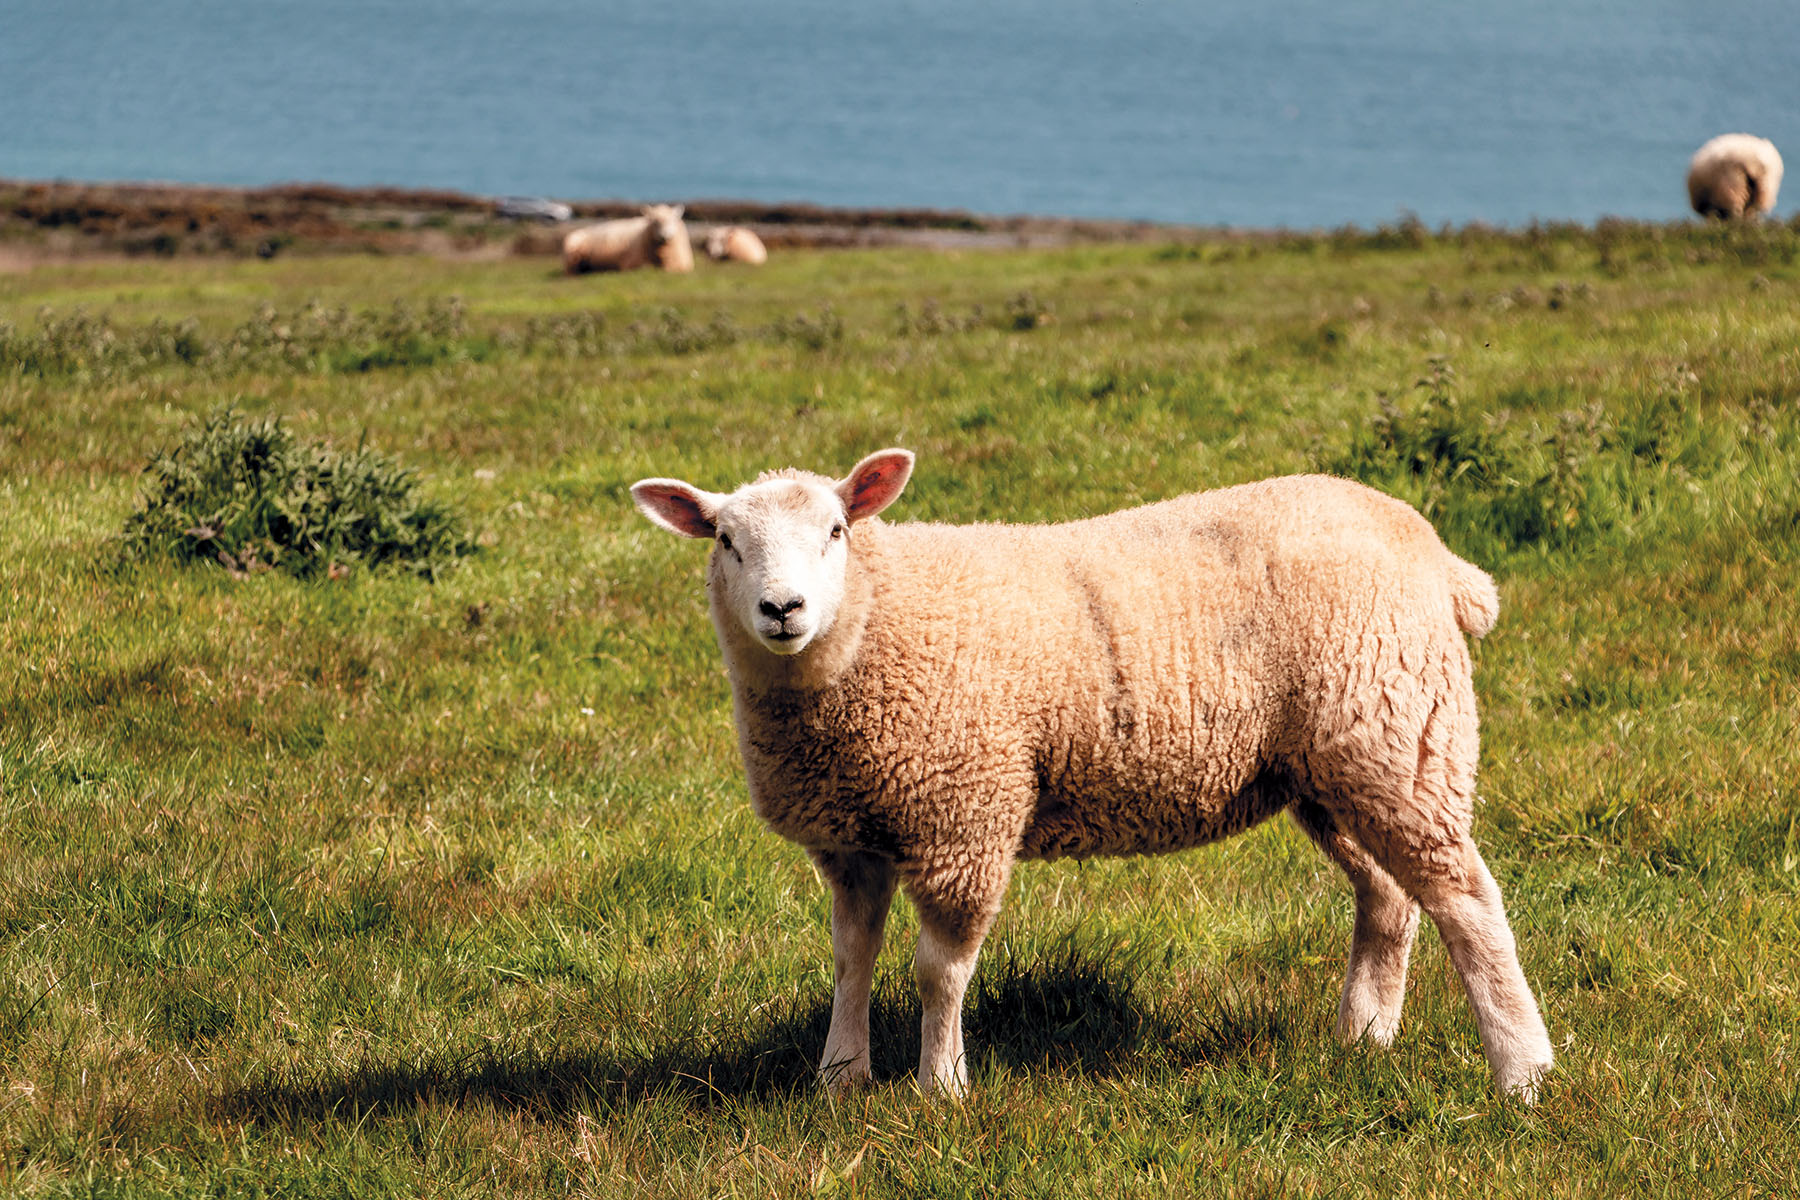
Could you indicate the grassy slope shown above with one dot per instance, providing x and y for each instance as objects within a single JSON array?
[{"x": 453, "y": 889}]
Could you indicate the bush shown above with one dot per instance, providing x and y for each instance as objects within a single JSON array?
[
  {"x": 1484, "y": 483},
  {"x": 249, "y": 496}
]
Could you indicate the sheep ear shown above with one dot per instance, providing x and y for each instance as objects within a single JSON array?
[
  {"x": 875, "y": 482},
  {"x": 679, "y": 210},
  {"x": 678, "y": 507}
]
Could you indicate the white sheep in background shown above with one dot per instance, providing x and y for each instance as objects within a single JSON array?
[
  {"x": 925, "y": 704},
  {"x": 658, "y": 238},
  {"x": 1734, "y": 175},
  {"x": 734, "y": 243}
]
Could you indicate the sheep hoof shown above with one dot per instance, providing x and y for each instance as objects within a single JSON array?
[
  {"x": 1521, "y": 1084},
  {"x": 840, "y": 1079},
  {"x": 1376, "y": 1029},
  {"x": 949, "y": 1088}
]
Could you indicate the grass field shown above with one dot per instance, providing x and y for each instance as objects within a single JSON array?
[{"x": 361, "y": 884}]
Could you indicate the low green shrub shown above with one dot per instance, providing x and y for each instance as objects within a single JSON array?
[
  {"x": 1484, "y": 481},
  {"x": 247, "y": 494},
  {"x": 1497, "y": 482},
  {"x": 1022, "y": 312}
]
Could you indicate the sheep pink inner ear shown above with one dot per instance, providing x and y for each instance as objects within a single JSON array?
[
  {"x": 676, "y": 506},
  {"x": 875, "y": 482}
]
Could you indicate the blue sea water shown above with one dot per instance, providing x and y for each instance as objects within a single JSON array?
[{"x": 1300, "y": 113}]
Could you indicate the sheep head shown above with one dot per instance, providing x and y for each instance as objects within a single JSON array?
[
  {"x": 665, "y": 223},
  {"x": 781, "y": 544}
]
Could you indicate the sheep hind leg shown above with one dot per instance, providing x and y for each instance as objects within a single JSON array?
[
  {"x": 1380, "y": 945},
  {"x": 862, "y": 890},
  {"x": 1465, "y": 905},
  {"x": 1420, "y": 836}
]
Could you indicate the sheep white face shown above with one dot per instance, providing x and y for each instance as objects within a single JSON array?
[
  {"x": 779, "y": 558},
  {"x": 665, "y": 222},
  {"x": 781, "y": 544}
]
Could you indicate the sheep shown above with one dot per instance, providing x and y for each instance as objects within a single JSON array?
[
  {"x": 1736, "y": 175},
  {"x": 734, "y": 243},
  {"x": 657, "y": 238},
  {"x": 925, "y": 704}
]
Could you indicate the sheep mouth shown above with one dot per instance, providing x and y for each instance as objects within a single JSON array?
[{"x": 785, "y": 641}]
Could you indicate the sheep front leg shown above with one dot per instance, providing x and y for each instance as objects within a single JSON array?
[
  {"x": 862, "y": 889},
  {"x": 948, "y": 947}
]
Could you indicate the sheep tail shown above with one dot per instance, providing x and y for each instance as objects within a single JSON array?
[{"x": 1473, "y": 597}]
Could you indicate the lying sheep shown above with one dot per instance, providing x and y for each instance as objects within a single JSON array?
[
  {"x": 1734, "y": 175},
  {"x": 657, "y": 238},
  {"x": 734, "y": 243},
  {"x": 926, "y": 704}
]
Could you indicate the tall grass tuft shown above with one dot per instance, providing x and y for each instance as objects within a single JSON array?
[
  {"x": 247, "y": 494},
  {"x": 312, "y": 338}
]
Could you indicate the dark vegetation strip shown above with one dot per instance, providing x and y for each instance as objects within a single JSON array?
[{"x": 175, "y": 219}]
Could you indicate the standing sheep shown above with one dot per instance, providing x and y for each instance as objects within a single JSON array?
[
  {"x": 734, "y": 243},
  {"x": 1734, "y": 175},
  {"x": 657, "y": 238},
  {"x": 925, "y": 704}
]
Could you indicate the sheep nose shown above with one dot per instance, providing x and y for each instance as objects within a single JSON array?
[{"x": 779, "y": 612}]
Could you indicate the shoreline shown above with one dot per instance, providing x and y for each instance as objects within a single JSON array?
[
  {"x": 46, "y": 220},
  {"x": 57, "y": 221}
]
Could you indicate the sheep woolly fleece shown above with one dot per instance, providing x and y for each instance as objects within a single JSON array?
[
  {"x": 658, "y": 238},
  {"x": 1139, "y": 682},
  {"x": 1734, "y": 175},
  {"x": 734, "y": 243}
]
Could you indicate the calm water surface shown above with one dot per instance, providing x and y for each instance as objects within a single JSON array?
[{"x": 1287, "y": 112}]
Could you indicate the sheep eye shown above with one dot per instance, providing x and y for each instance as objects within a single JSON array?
[
  {"x": 725, "y": 541},
  {"x": 837, "y": 531}
]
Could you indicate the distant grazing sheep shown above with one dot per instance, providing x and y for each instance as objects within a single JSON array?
[
  {"x": 1735, "y": 175},
  {"x": 923, "y": 705},
  {"x": 656, "y": 239},
  {"x": 734, "y": 243}
]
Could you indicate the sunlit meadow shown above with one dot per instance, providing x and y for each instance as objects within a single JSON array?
[{"x": 367, "y": 880}]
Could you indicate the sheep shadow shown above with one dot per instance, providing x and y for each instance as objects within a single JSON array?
[{"x": 1073, "y": 1011}]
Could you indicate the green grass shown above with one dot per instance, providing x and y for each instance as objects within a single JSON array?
[{"x": 365, "y": 884}]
